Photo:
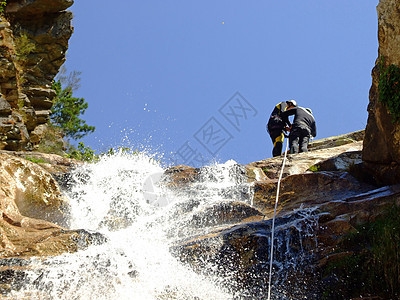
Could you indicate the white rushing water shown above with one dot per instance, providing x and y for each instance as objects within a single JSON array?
[{"x": 119, "y": 197}]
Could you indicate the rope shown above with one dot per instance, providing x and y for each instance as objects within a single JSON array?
[{"x": 273, "y": 221}]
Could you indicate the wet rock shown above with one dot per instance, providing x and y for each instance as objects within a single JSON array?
[
  {"x": 242, "y": 252},
  {"x": 320, "y": 203},
  {"x": 32, "y": 210},
  {"x": 84, "y": 238},
  {"x": 181, "y": 175},
  {"x": 255, "y": 174},
  {"x": 224, "y": 213},
  {"x": 308, "y": 189},
  {"x": 133, "y": 274},
  {"x": 33, "y": 191}
]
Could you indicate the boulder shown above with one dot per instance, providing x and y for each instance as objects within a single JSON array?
[
  {"x": 181, "y": 175},
  {"x": 34, "y": 193},
  {"x": 38, "y": 133},
  {"x": 33, "y": 211}
]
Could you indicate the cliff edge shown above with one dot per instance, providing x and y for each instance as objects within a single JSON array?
[
  {"x": 34, "y": 37},
  {"x": 381, "y": 149}
]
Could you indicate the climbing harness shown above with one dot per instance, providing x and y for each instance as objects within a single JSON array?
[{"x": 273, "y": 220}]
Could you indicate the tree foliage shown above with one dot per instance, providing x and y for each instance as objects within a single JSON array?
[
  {"x": 66, "y": 110},
  {"x": 3, "y": 4},
  {"x": 389, "y": 89},
  {"x": 83, "y": 153}
]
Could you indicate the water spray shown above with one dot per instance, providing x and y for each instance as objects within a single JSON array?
[{"x": 273, "y": 221}]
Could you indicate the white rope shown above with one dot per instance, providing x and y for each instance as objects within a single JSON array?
[{"x": 273, "y": 221}]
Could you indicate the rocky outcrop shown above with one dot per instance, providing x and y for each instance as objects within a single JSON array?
[
  {"x": 34, "y": 38},
  {"x": 56, "y": 165},
  {"x": 336, "y": 141},
  {"x": 320, "y": 204},
  {"x": 341, "y": 158},
  {"x": 381, "y": 150},
  {"x": 33, "y": 212}
]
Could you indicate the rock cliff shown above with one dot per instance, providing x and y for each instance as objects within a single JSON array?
[
  {"x": 327, "y": 194},
  {"x": 321, "y": 203},
  {"x": 324, "y": 198},
  {"x": 382, "y": 137},
  {"x": 34, "y": 38}
]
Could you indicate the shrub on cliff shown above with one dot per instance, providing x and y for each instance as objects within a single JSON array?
[
  {"x": 82, "y": 152},
  {"x": 66, "y": 112},
  {"x": 389, "y": 88},
  {"x": 3, "y": 4},
  {"x": 66, "y": 118},
  {"x": 373, "y": 264}
]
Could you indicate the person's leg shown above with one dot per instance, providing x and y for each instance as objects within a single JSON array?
[
  {"x": 304, "y": 143},
  {"x": 294, "y": 142},
  {"x": 277, "y": 151},
  {"x": 277, "y": 139}
]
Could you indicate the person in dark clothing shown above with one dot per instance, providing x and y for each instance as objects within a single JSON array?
[
  {"x": 303, "y": 127},
  {"x": 276, "y": 126}
]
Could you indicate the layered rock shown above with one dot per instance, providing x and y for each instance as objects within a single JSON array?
[
  {"x": 340, "y": 157},
  {"x": 34, "y": 38},
  {"x": 381, "y": 150},
  {"x": 320, "y": 203}
]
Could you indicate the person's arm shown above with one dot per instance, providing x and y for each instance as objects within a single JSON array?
[
  {"x": 285, "y": 116},
  {"x": 314, "y": 129}
]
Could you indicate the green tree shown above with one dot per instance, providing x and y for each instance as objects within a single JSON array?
[
  {"x": 83, "y": 152},
  {"x": 3, "y": 4},
  {"x": 66, "y": 110}
]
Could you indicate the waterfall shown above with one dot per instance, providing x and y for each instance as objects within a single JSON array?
[{"x": 129, "y": 201}]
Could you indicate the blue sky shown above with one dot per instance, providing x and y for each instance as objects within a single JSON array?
[{"x": 197, "y": 80}]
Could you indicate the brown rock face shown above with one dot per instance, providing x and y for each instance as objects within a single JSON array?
[
  {"x": 381, "y": 150},
  {"x": 34, "y": 38},
  {"x": 32, "y": 211},
  {"x": 320, "y": 204}
]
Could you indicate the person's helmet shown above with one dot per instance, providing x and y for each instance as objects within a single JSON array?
[{"x": 293, "y": 102}]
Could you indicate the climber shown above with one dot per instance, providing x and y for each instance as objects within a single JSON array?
[
  {"x": 277, "y": 128},
  {"x": 302, "y": 129}
]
